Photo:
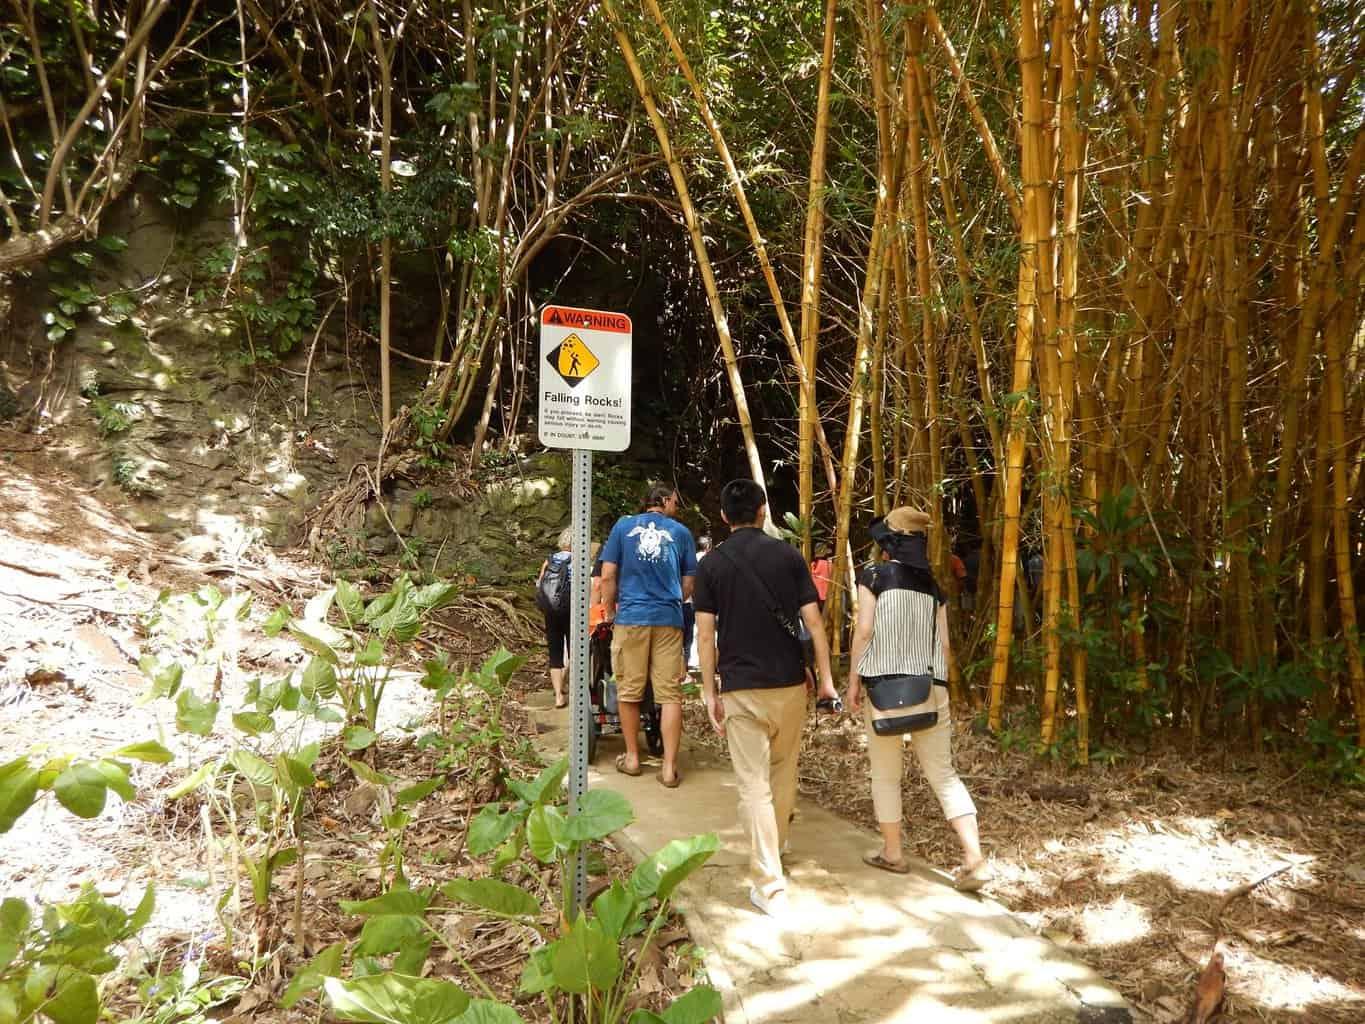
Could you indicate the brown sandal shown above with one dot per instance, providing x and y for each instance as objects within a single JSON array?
[
  {"x": 621, "y": 767},
  {"x": 677, "y": 779},
  {"x": 896, "y": 867}
]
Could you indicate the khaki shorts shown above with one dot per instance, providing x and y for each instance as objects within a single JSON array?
[{"x": 653, "y": 654}]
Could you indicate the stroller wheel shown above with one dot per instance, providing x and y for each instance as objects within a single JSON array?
[
  {"x": 593, "y": 731},
  {"x": 655, "y": 740}
]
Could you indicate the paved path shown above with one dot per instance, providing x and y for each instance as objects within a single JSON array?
[{"x": 863, "y": 947}]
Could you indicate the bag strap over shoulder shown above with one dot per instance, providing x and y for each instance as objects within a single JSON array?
[{"x": 774, "y": 608}]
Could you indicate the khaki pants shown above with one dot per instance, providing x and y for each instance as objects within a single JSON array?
[
  {"x": 764, "y": 731},
  {"x": 934, "y": 752}
]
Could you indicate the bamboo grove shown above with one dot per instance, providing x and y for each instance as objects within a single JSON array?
[{"x": 1081, "y": 278}]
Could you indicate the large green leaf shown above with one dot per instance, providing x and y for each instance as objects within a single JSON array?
[
  {"x": 538, "y": 974},
  {"x": 402, "y": 622},
  {"x": 357, "y": 737},
  {"x": 546, "y": 833},
  {"x": 662, "y": 873},
  {"x": 194, "y": 715},
  {"x": 488, "y": 830},
  {"x": 419, "y": 791},
  {"x": 18, "y": 790},
  {"x": 325, "y": 965},
  {"x": 434, "y": 596},
  {"x": 617, "y": 909},
  {"x": 319, "y": 678},
  {"x": 148, "y": 750},
  {"x": 485, "y": 1011},
  {"x": 494, "y": 896},
  {"x": 389, "y": 933},
  {"x": 413, "y": 956},
  {"x": 253, "y": 723},
  {"x": 600, "y": 812},
  {"x": 395, "y": 901},
  {"x": 319, "y": 638},
  {"x": 350, "y": 601},
  {"x": 292, "y": 768},
  {"x": 394, "y": 920},
  {"x": 142, "y": 913},
  {"x": 396, "y": 999},
  {"x": 116, "y": 777},
  {"x": 545, "y": 787},
  {"x": 585, "y": 958},
  {"x": 252, "y": 767},
  {"x": 74, "y": 998},
  {"x": 15, "y": 918},
  {"x": 82, "y": 789},
  {"x": 502, "y": 663},
  {"x": 700, "y": 1005}
]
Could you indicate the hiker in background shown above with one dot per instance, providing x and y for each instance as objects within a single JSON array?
[
  {"x": 597, "y": 611},
  {"x": 553, "y": 592},
  {"x": 690, "y": 611},
  {"x": 759, "y": 588},
  {"x": 902, "y": 630},
  {"x": 821, "y": 571},
  {"x": 648, "y": 565}
]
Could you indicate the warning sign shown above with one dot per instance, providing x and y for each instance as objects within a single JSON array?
[
  {"x": 573, "y": 360},
  {"x": 584, "y": 379}
]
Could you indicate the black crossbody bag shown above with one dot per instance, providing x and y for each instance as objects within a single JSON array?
[{"x": 796, "y": 629}]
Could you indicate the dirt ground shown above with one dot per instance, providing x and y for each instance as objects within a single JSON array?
[
  {"x": 76, "y": 582},
  {"x": 1141, "y": 868}
]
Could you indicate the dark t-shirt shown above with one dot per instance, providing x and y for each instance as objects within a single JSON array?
[{"x": 755, "y": 652}]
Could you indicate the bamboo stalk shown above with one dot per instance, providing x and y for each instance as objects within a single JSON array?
[
  {"x": 1030, "y": 251},
  {"x": 699, "y": 249},
  {"x": 804, "y": 375}
]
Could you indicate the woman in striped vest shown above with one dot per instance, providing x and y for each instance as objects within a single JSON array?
[{"x": 902, "y": 627}]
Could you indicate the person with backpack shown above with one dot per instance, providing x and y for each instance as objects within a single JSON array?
[
  {"x": 752, "y": 594},
  {"x": 553, "y": 594},
  {"x": 899, "y": 662}
]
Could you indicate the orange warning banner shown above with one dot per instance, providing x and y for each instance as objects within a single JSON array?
[{"x": 590, "y": 319}]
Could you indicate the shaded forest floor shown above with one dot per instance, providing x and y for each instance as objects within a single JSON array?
[
  {"x": 1139, "y": 868},
  {"x": 76, "y": 581}
]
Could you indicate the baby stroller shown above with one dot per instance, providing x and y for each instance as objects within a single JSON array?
[{"x": 605, "y": 716}]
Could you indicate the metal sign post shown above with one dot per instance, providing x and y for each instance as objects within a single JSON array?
[
  {"x": 580, "y": 711},
  {"x": 584, "y": 407}
]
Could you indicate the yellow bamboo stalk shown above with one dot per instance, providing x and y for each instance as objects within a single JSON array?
[
  {"x": 804, "y": 375},
  {"x": 969, "y": 100},
  {"x": 699, "y": 249},
  {"x": 1031, "y": 234},
  {"x": 812, "y": 263},
  {"x": 868, "y": 305},
  {"x": 1341, "y": 521}
]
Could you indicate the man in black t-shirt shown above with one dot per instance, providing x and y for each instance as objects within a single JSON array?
[{"x": 744, "y": 585}]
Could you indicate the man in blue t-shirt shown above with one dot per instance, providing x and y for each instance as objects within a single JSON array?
[{"x": 648, "y": 565}]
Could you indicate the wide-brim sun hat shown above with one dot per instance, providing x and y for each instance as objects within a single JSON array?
[{"x": 907, "y": 519}]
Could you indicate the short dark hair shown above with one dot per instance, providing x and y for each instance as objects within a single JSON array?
[
  {"x": 658, "y": 494},
  {"x": 741, "y": 501}
]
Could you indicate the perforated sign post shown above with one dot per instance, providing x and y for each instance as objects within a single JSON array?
[{"x": 584, "y": 407}]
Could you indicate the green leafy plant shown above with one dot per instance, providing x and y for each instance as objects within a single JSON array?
[
  {"x": 52, "y": 957},
  {"x": 579, "y": 971}
]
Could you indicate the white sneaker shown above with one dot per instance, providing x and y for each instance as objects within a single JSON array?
[{"x": 775, "y": 906}]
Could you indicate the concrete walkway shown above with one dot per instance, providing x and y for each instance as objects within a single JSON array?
[{"x": 863, "y": 946}]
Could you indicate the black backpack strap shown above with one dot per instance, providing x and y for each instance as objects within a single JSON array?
[{"x": 774, "y": 607}]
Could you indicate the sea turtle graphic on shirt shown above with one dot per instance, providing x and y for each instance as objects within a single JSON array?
[{"x": 650, "y": 547}]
